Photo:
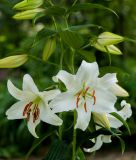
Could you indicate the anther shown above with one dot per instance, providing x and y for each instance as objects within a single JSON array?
[
  {"x": 85, "y": 107},
  {"x": 27, "y": 108}
]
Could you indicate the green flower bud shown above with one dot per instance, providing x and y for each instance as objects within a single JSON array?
[
  {"x": 108, "y": 38},
  {"x": 13, "y": 61},
  {"x": 110, "y": 48},
  {"x": 101, "y": 119},
  {"x": 29, "y": 14},
  {"x": 28, "y": 4}
]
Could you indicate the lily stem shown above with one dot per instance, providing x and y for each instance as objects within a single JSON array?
[{"x": 74, "y": 138}]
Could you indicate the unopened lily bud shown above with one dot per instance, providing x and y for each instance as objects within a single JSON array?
[
  {"x": 28, "y": 4},
  {"x": 29, "y": 14},
  {"x": 101, "y": 119},
  {"x": 108, "y": 38},
  {"x": 110, "y": 48},
  {"x": 13, "y": 61}
]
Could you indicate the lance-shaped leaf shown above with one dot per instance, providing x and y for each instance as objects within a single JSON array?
[
  {"x": 13, "y": 61},
  {"x": 87, "y": 6},
  {"x": 28, "y": 4},
  {"x": 29, "y": 14},
  {"x": 116, "y": 115},
  {"x": 72, "y": 39},
  {"x": 108, "y": 38},
  {"x": 49, "y": 48}
]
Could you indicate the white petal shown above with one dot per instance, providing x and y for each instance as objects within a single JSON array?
[
  {"x": 49, "y": 95},
  {"x": 119, "y": 91},
  {"x": 83, "y": 118},
  {"x": 32, "y": 126},
  {"x": 107, "y": 80},
  {"x": 87, "y": 72},
  {"x": 63, "y": 102},
  {"x": 29, "y": 85},
  {"x": 16, "y": 110},
  {"x": 19, "y": 94},
  {"x": 125, "y": 113},
  {"x": 48, "y": 116},
  {"x": 123, "y": 103},
  {"x": 105, "y": 102},
  {"x": 99, "y": 142},
  {"x": 67, "y": 78}
]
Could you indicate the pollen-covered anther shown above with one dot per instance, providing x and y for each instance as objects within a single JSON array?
[
  {"x": 27, "y": 108},
  {"x": 85, "y": 107},
  {"x": 94, "y": 97},
  {"x": 36, "y": 113}
]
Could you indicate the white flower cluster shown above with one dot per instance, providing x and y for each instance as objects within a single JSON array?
[{"x": 86, "y": 93}]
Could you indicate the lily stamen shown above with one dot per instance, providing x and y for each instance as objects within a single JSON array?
[{"x": 27, "y": 108}]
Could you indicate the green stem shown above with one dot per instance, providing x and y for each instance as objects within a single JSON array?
[
  {"x": 73, "y": 57},
  {"x": 36, "y": 145},
  {"x": 74, "y": 138},
  {"x": 61, "y": 66},
  {"x": 108, "y": 55},
  {"x": 74, "y": 2},
  {"x": 40, "y": 60}
]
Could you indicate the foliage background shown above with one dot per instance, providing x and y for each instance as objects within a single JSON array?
[{"x": 17, "y": 37}]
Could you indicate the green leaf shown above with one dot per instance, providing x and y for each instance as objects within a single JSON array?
[
  {"x": 78, "y": 27},
  {"x": 43, "y": 35},
  {"x": 37, "y": 143},
  {"x": 87, "y": 6},
  {"x": 80, "y": 155},
  {"x": 72, "y": 39},
  {"x": 87, "y": 55},
  {"x": 49, "y": 48},
  {"x": 122, "y": 143},
  {"x": 122, "y": 120},
  {"x": 57, "y": 151},
  {"x": 38, "y": 16},
  {"x": 55, "y": 10}
]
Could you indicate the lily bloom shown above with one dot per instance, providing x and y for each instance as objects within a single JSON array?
[
  {"x": 113, "y": 122},
  {"x": 32, "y": 105},
  {"x": 87, "y": 93}
]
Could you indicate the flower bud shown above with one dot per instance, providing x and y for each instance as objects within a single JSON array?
[
  {"x": 13, "y": 61},
  {"x": 108, "y": 38},
  {"x": 101, "y": 119},
  {"x": 29, "y": 14},
  {"x": 28, "y": 4},
  {"x": 110, "y": 48}
]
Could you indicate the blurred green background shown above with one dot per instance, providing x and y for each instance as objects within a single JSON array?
[{"x": 17, "y": 37}]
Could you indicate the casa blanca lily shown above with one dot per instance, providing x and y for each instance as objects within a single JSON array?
[
  {"x": 32, "y": 105},
  {"x": 86, "y": 93}
]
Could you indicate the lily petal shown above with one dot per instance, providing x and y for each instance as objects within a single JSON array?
[
  {"x": 119, "y": 91},
  {"x": 105, "y": 101},
  {"x": 83, "y": 118},
  {"x": 87, "y": 72},
  {"x": 48, "y": 116},
  {"x": 99, "y": 142},
  {"x": 15, "y": 92},
  {"x": 107, "y": 80},
  {"x": 16, "y": 110},
  {"x": 49, "y": 95},
  {"x": 32, "y": 126},
  {"x": 63, "y": 102},
  {"x": 67, "y": 78},
  {"x": 29, "y": 85},
  {"x": 125, "y": 113}
]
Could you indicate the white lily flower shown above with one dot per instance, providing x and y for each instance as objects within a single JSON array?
[
  {"x": 32, "y": 105},
  {"x": 125, "y": 113},
  {"x": 99, "y": 142},
  {"x": 86, "y": 93}
]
